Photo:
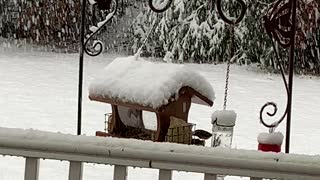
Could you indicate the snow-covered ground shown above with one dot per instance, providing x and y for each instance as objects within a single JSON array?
[{"x": 39, "y": 91}]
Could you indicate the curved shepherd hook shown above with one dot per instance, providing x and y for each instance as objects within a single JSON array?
[
  {"x": 280, "y": 26},
  {"x": 232, "y": 21},
  {"x": 97, "y": 47}
]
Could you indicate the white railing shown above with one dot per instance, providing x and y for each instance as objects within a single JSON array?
[{"x": 166, "y": 157}]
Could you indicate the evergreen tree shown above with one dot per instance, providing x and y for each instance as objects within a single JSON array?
[
  {"x": 255, "y": 43},
  {"x": 307, "y": 45},
  {"x": 192, "y": 32},
  {"x": 257, "y": 46},
  {"x": 189, "y": 30}
]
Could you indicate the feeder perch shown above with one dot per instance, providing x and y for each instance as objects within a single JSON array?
[{"x": 270, "y": 142}]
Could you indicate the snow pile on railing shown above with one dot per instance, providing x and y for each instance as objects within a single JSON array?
[
  {"x": 163, "y": 156},
  {"x": 40, "y": 140}
]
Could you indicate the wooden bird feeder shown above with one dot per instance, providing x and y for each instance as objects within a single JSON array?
[{"x": 128, "y": 110}]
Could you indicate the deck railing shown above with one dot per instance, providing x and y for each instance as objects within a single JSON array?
[{"x": 167, "y": 157}]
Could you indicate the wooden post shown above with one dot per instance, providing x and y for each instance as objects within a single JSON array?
[
  {"x": 120, "y": 172},
  {"x": 75, "y": 170},
  {"x": 210, "y": 176},
  {"x": 254, "y": 178},
  {"x": 31, "y": 169},
  {"x": 165, "y": 174}
]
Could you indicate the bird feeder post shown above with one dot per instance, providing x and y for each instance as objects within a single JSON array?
[
  {"x": 280, "y": 24},
  {"x": 93, "y": 49}
]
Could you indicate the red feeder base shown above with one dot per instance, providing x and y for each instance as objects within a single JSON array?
[{"x": 269, "y": 147}]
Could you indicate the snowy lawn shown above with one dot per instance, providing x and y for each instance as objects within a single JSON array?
[{"x": 39, "y": 91}]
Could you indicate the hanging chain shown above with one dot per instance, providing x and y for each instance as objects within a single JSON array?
[
  {"x": 232, "y": 23},
  {"x": 228, "y": 67},
  {"x": 227, "y": 85}
]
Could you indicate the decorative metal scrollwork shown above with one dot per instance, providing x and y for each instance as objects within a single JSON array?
[
  {"x": 161, "y": 10},
  {"x": 280, "y": 26},
  {"x": 275, "y": 124},
  {"x": 97, "y": 46},
  {"x": 277, "y": 22},
  {"x": 232, "y": 21}
]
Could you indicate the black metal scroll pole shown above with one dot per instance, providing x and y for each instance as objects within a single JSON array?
[
  {"x": 291, "y": 65},
  {"x": 83, "y": 19},
  {"x": 280, "y": 23},
  {"x": 96, "y": 48}
]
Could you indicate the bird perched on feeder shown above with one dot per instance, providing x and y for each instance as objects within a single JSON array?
[{"x": 202, "y": 134}]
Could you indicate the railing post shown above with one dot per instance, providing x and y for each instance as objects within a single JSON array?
[
  {"x": 75, "y": 170},
  {"x": 165, "y": 174},
  {"x": 210, "y": 176},
  {"x": 31, "y": 169},
  {"x": 254, "y": 178},
  {"x": 120, "y": 172}
]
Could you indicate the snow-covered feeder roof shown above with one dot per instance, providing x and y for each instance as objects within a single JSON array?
[{"x": 137, "y": 81}]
